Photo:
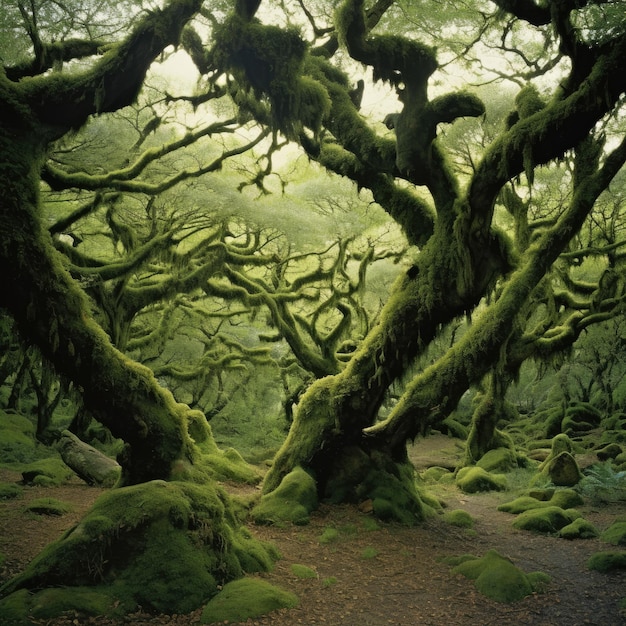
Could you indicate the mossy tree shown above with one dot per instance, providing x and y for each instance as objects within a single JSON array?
[
  {"x": 51, "y": 312},
  {"x": 462, "y": 255}
]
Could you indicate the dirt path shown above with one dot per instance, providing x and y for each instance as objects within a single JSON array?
[{"x": 369, "y": 574}]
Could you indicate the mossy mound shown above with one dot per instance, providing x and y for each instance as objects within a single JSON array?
[
  {"x": 476, "y": 479},
  {"x": 245, "y": 599},
  {"x": 579, "y": 529},
  {"x": 49, "y": 472},
  {"x": 48, "y": 506},
  {"x": 615, "y": 534},
  {"x": 562, "y": 470},
  {"x": 303, "y": 571},
  {"x": 548, "y": 519},
  {"x": 434, "y": 474},
  {"x": 8, "y": 491},
  {"x": 17, "y": 438},
  {"x": 167, "y": 547},
  {"x": 459, "y": 518},
  {"x": 610, "y": 451},
  {"x": 499, "y": 460},
  {"x": 607, "y": 561},
  {"x": 580, "y": 417},
  {"x": 292, "y": 501},
  {"x": 563, "y": 498},
  {"x": 498, "y": 578},
  {"x": 50, "y": 603}
]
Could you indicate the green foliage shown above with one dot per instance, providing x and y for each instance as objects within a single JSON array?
[
  {"x": 498, "y": 578},
  {"x": 607, "y": 561},
  {"x": 475, "y": 479},
  {"x": 302, "y": 571},
  {"x": 48, "y": 506},
  {"x": 602, "y": 483},
  {"x": 244, "y": 599},
  {"x": 291, "y": 501}
]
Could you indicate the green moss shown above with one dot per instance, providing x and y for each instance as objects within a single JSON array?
[
  {"x": 498, "y": 460},
  {"x": 563, "y": 498},
  {"x": 292, "y": 501},
  {"x": 607, "y": 561},
  {"x": 8, "y": 491},
  {"x": 369, "y": 553},
  {"x": 476, "y": 479},
  {"x": 16, "y": 607},
  {"x": 50, "y": 603},
  {"x": 247, "y": 598},
  {"x": 48, "y": 506},
  {"x": 17, "y": 439},
  {"x": 579, "y": 529},
  {"x": 497, "y": 577},
  {"x": 548, "y": 519},
  {"x": 302, "y": 571},
  {"x": 329, "y": 535},
  {"x": 615, "y": 534},
  {"x": 165, "y": 546},
  {"x": 459, "y": 518},
  {"x": 434, "y": 474},
  {"x": 46, "y": 472}
]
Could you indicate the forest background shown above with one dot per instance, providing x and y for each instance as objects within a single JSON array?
[{"x": 303, "y": 234}]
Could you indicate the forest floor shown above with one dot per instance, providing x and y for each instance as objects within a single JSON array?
[{"x": 374, "y": 574}]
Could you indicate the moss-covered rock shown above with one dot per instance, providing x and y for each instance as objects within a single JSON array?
[
  {"x": 244, "y": 599},
  {"x": 610, "y": 451},
  {"x": 562, "y": 470},
  {"x": 548, "y": 519},
  {"x": 579, "y": 529},
  {"x": 8, "y": 491},
  {"x": 476, "y": 479},
  {"x": 46, "y": 472},
  {"x": 48, "y": 506},
  {"x": 459, "y": 518},
  {"x": 292, "y": 501},
  {"x": 434, "y": 474},
  {"x": 580, "y": 417},
  {"x": 499, "y": 460},
  {"x": 615, "y": 533},
  {"x": 498, "y": 578},
  {"x": 607, "y": 561},
  {"x": 563, "y": 498},
  {"x": 165, "y": 546}
]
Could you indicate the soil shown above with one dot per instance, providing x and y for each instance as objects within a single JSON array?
[{"x": 374, "y": 574}]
